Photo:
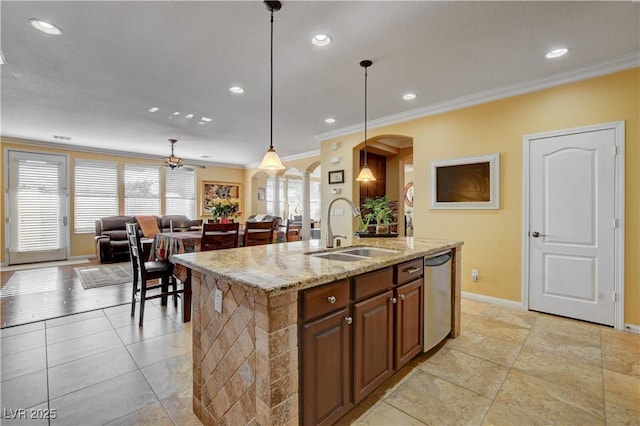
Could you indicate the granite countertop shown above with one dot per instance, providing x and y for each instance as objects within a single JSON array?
[{"x": 280, "y": 268}]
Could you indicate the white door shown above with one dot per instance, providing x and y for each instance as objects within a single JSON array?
[
  {"x": 572, "y": 224},
  {"x": 37, "y": 200}
]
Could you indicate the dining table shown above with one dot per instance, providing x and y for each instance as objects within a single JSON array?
[{"x": 164, "y": 246}]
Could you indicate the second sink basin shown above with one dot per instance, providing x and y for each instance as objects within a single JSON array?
[
  {"x": 368, "y": 251},
  {"x": 354, "y": 254}
]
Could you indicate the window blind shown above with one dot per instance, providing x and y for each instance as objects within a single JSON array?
[
  {"x": 38, "y": 201},
  {"x": 95, "y": 193},
  {"x": 180, "y": 195},
  {"x": 141, "y": 189}
]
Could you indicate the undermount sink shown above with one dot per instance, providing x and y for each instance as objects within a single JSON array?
[{"x": 354, "y": 254}]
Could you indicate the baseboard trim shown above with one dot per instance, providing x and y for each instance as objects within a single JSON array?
[
  {"x": 632, "y": 328},
  {"x": 84, "y": 256},
  {"x": 494, "y": 300}
]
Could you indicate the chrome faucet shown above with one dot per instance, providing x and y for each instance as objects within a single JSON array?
[{"x": 330, "y": 236}]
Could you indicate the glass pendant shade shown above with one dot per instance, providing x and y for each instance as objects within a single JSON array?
[
  {"x": 366, "y": 175},
  {"x": 271, "y": 161}
]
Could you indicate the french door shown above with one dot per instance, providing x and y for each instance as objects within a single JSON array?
[{"x": 38, "y": 205}]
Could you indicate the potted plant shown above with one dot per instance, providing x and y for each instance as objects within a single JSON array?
[{"x": 379, "y": 210}]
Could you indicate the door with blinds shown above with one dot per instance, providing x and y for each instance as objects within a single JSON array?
[{"x": 38, "y": 204}]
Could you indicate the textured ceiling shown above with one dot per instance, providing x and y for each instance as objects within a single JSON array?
[{"x": 115, "y": 60}]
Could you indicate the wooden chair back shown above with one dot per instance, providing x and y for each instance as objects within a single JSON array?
[
  {"x": 218, "y": 236},
  {"x": 258, "y": 233},
  {"x": 293, "y": 232}
]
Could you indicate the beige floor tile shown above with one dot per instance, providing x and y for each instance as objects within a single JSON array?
[
  {"x": 466, "y": 319},
  {"x": 469, "y": 306},
  {"x": 153, "y": 415},
  {"x": 160, "y": 348},
  {"x": 617, "y": 415},
  {"x": 622, "y": 390},
  {"x": 556, "y": 369},
  {"x": 569, "y": 327},
  {"x": 517, "y": 317},
  {"x": 171, "y": 377},
  {"x": 621, "y": 352},
  {"x": 537, "y": 401},
  {"x": 469, "y": 372},
  {"x": 435, "y": 401},
  {"x": 491, "y": 349},
  {"x": 498, "y": 330},
  {"x": 180, "y": 410},
  {"x": 385, "y": 415},
  {"x": 566, "y": 339}
]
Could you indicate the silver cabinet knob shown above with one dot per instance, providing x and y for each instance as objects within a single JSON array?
[
  {"x": 348, "y": 320},
  {"x": 331, "y": 299},
  {"x": 394, "y": 300},
  {"x": 401, "y": 296}
]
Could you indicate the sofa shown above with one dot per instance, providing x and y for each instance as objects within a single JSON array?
[{"x": 111, "y": 233}]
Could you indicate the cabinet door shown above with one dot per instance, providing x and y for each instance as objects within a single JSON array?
[
  {"x": 373, "y": 343},
  {"x": 409, "y": 333},
  {"x": 326, "y": 373}
]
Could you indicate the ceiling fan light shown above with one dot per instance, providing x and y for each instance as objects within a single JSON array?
[
  {"x": 365, "y": 175},
  {"x": 172, "y": 161},
  {"x": 271, "y": 161}
]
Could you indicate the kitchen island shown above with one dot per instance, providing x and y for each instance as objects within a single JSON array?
[{"x": 246, "y": 355}]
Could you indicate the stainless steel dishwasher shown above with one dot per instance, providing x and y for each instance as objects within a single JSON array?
[{"x": 437, "y": 298}]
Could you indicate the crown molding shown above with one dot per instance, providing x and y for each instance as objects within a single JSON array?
[
  {"x": 620, "y": 63},
  {"x": 70, "y": 147}
]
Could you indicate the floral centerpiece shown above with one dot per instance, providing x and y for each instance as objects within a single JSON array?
[{"x": 225, "y": 209}]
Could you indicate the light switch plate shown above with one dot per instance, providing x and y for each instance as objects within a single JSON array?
[{"x": 218, "y": 301}]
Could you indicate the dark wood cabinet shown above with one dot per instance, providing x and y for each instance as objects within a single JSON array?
[
  {"x": 373, "y": 343},
  {"x": 344, "y": 358},
  {"x": 409, "y": 333},
  {"x": 326, "y": 369}
]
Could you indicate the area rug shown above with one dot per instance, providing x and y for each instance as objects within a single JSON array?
[{"x": 105, "y": 275}]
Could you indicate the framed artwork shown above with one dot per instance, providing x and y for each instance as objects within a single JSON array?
[
  {"x": 466, "y": 183},
  {"x": 261, "y": 194},
  {"x": 336, "y": 176},
  {"x": 218, "y": 190}
]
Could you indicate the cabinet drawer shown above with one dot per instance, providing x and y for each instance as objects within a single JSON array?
[
  {"x": 373, "y": 283},
  {"x": 408, "y": 271},
  {"x": 324, "y": 299}
]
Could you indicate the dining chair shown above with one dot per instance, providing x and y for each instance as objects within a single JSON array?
[
  {"x": 146, "y": 271},
  {"x": 179, "y": 225},
  {"x": 293, "y": 231},
  {"x": 218, "y": 236},
  {"x": 257, "y": 233}
]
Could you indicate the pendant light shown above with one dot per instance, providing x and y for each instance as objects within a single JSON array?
[
  {"x": 172, "y": 161},
  {"x": 365, "y": 173},
  {"x": 271, "y": 161}
]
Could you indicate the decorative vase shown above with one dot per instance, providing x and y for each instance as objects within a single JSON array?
[{"x": 224, "y": 220}]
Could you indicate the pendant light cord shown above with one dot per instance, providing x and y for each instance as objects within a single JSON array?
[
  {"x": 271, "y": 88},
  {"x": 365, "y": 117}
]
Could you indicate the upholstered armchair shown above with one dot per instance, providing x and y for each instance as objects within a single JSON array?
[{"x": 111, "y": 238}]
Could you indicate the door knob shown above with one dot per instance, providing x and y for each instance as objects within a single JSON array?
[{"x": 536, "y": 234}]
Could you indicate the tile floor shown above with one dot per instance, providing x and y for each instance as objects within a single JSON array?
[{"x": 508, "y": 367}]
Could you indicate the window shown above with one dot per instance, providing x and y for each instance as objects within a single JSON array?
[
  {"x": 314, "y": 195},
  {"x": 96, "y": 193},
  {"x": 181, "y": 192},
  {"x": 270, "y": 195},
  {"x": 141, "y": 189}
]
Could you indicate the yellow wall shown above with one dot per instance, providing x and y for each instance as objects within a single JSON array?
[
  {"x": 493, "y": 239},
  {"x": 82, "y": 244}
]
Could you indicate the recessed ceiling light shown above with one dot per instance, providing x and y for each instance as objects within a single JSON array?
[
  {"x": 556, "y": 53},
  {"x": 236, "y": 89},
  {"x": 409, "y": 96},
  {"x": 188, "y": 116},
  {"x": 45, "y": 27},
  {"x": 153, "y": 109},
  {"x": 207, "y": 119},
  {"x": 321, "y": 39},
  {"x": 176, "y": 113},
  {"x": 330, "y": 120},
  {"x": 2, "y": 61}
]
